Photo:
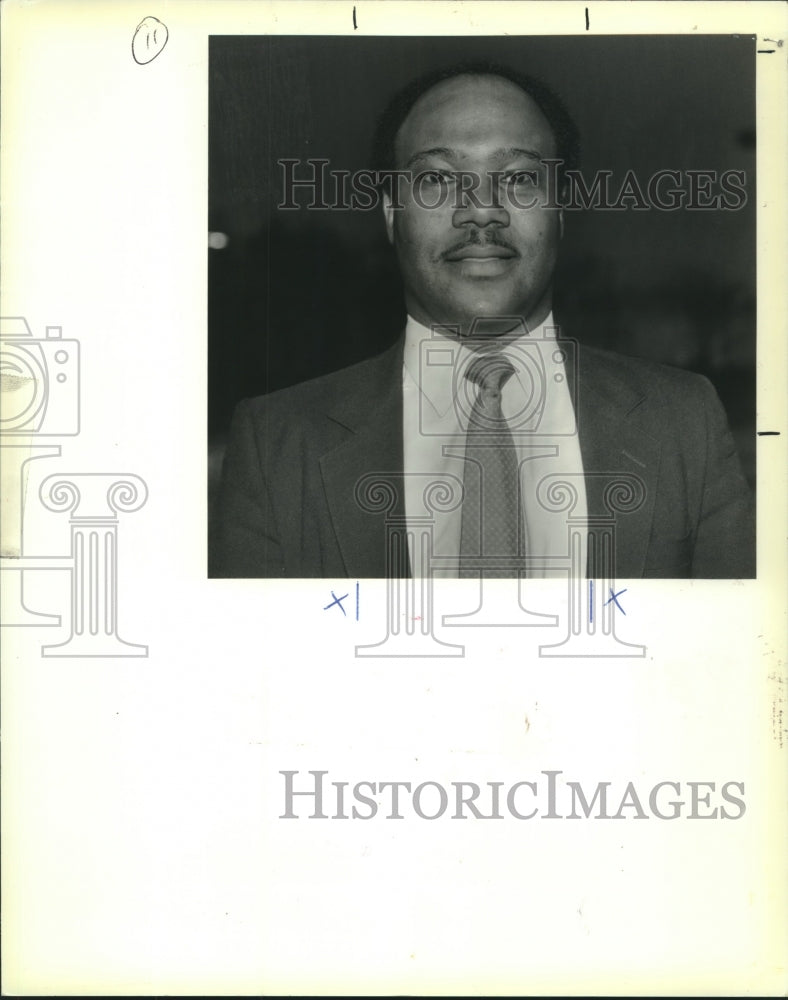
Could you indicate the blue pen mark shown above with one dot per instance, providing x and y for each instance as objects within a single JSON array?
[
  {"x": 356, "y": 600},
  {"x": 590, "y": 600},
  {"x": 338, "y": 601},
  {"x": 613, "y": 599}
]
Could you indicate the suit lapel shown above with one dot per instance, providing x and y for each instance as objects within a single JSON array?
[
  {"x": 370, "y": 411},
  {"x": 615, "y": 438}
]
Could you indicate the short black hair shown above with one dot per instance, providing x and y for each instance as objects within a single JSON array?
[{"x": 393, "y": 116}]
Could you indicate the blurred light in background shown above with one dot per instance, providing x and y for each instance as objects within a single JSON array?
[{"x": 218, "y": 241}]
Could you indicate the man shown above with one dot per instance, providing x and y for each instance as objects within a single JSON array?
[{"x": 480, "y": 396}]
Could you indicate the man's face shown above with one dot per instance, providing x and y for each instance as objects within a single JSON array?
[{"x": 482, "y": 255}]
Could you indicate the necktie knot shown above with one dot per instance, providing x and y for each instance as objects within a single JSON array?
[{"x": 490, "y": 372}]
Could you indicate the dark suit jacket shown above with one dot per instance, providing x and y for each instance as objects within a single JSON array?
[{"x": 287, "y": 505}]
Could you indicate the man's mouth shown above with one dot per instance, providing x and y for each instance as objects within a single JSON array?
[{"x": 476, "y": 252}]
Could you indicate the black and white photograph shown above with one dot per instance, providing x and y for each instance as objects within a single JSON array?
[{"x": 386, "y": 212}]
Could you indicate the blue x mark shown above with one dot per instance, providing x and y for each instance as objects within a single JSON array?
[
  {"x": 613, "y": 599},
  {"x": 338, "y": 601}
]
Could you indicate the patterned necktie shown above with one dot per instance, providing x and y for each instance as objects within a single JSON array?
[{"x": 491, "y": 506}]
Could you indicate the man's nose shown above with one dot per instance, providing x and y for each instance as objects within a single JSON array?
[{"x": 478, "y": 203}]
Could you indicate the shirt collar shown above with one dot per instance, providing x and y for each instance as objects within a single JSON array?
[{"x": 430, "y": 359}]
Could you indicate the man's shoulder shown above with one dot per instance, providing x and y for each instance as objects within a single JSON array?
[
  {"x": 613, "y": 373},
  {"x": 359, "y": 383}
]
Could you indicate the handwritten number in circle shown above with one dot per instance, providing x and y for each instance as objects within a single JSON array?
[{"x": 150, "y": 37}]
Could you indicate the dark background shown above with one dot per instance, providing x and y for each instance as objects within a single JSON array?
[{"x": 295, "y": 294}]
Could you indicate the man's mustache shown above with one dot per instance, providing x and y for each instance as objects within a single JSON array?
[{"x": 476, "y": 240}]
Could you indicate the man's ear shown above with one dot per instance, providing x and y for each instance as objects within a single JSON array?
[
  {"x": 388, "y": 215},
  {"x": 563, "y": 200}
]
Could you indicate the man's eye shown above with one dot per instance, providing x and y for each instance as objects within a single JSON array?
[
  {"x": 436, "y": 177},
  {"x": 521, "y": 177}
]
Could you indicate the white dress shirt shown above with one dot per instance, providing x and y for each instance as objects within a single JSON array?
[{"x": 437, "y": 399}]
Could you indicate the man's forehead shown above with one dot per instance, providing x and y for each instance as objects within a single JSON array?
[{"x": 472, "y": 111}]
